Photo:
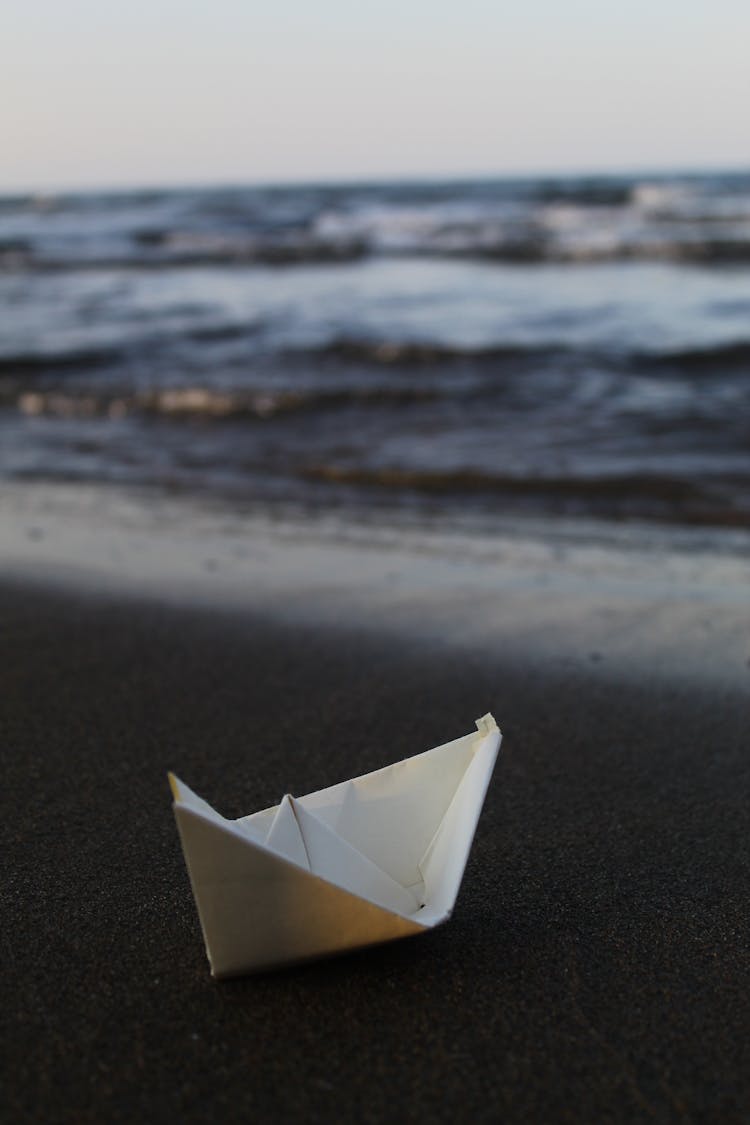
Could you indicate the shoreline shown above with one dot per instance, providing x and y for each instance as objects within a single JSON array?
[{"x": 634, "y": 599}]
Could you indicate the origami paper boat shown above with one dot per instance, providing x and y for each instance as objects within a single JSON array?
[{"x": 370, "y": 860}]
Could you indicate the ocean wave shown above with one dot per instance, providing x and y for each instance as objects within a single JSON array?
[
  {"x": 643, "y": 495},
  {"x": 15, "y": 253},
  {"x": 204, "y": 402},
  {"x": 376, "y": 353},
  {"x": 195, "y": 247},
  {"x": 710, "y": 251},
  {"x": 33, "y": 363},
  {"x": 588, "y": 193},
  {"x": 420, "y": 354},
  {"x": 602, "y": 246},
  {"x": 560, "y": 234},
  {"x": 731, "y": 356},
  {"x": 372, "y": 352},
  {"x": 591, "y": 249},
  {"x": 412, "y": 353},
  {"x": 702, "y": 220},
  {"x": 11, "y": 203},
  {"x": 473, "y": 480}
]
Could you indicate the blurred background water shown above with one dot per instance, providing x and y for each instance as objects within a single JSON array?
[{"x": 575, "y": 347}]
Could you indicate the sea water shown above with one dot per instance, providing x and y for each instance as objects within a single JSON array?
[{"x": 432, "y": 351}]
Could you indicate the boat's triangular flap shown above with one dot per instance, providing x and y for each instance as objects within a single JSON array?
[
  {"x": 326, "y": 803},
  {"x": 184, "y": 797},
  {"x": 444, "y": 861},
  {"x": 335, "y": 860},
  {"x": 258, "y": 910},
  {"x": 391, "y": 815},
  {"x": 182, "y": 794},
  {"x": 285, "y": 835}
]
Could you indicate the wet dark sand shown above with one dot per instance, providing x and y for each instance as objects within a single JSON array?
[{"x": 596, "y": 968}]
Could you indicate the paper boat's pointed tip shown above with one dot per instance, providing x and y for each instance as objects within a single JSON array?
[
  {"x": 174, "y": 785},
  {"x": 487, "y": 724}
]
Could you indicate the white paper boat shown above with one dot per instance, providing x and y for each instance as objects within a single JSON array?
[{"x": 372, "y": 859}]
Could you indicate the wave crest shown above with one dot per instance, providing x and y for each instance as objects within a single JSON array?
[{"x": 207, "y": 403}]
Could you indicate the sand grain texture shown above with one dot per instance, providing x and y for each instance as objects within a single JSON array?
[{"x": 596, "y": 968}]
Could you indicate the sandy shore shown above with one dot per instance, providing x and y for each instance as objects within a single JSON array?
[
  {"x": 640, "y": 600},
  {"x": 596, "y": 966}
]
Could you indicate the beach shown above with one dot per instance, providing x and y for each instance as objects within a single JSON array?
[
  {"x": 595, "y": 968},
  {"x": 298, "y": 481}
]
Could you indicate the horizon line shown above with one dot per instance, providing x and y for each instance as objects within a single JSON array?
[{"x": 351, "y": 180}]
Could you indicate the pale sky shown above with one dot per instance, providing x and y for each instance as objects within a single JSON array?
[{"x": 98, "y": 92}]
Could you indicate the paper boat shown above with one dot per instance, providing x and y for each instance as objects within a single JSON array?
[{"x": 372, "y": 859}]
